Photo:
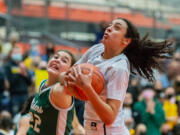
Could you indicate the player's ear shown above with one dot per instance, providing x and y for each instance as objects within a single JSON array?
[{"x": 126, "y": 41}]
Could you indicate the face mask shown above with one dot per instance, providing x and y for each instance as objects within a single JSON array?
[
  {"x": 177, "y": 83},
  {"x": 17, "y": 57},
  {"x": 158, "y": 91},
  {"x": 148, "y": 94},
  {"x": 169, "y": 96},
  {"x": 173, "y": 100},
  {"x": 43, "y": 68}
]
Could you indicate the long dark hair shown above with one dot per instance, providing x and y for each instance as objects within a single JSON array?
[
  {"x": 144, "y": 53},
  {"x": 27, "y": 104}
]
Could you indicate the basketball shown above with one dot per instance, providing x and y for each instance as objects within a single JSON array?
[{"x": 97, "y": 81}]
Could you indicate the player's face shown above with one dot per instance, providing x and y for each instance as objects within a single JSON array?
[
  {"x": 115, "y": 33},
  {"x": 59, "y": 63}
]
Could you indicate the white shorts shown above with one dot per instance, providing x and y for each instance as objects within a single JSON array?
[{"x": 98, "y": 128}]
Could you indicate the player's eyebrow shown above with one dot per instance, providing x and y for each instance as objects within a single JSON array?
[{"x": 66, "y": 58}]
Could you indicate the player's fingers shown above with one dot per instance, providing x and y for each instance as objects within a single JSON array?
[
  {"x": 71, "y": 77},
  {"x": 75, "y": 71},
  {"x": 69, "y": 71},
  {"x": 79, "y": 70},
  {"x": 90, "y": 72},
  {"x": 69, "y": 83}
]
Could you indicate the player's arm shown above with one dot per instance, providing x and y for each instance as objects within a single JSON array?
[
  {"x": 111, "y": 106},
  {"x": 23, "y": 125},
  {"x": 59, "y": 97},
  {"x": 77, "y": 127}
]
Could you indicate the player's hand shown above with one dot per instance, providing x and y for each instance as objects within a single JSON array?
[
  {"x": 22, "y": 68},
  {"x": 79, "y": 79},
  {"x": 62, "y": 78},
  {"x": 150, "y": 106}
]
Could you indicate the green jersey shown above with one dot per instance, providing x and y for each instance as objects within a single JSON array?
[{"x": 48, "y": 119}]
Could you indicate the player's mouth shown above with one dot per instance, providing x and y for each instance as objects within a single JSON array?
[
  {"x": 54, "y": 67},
  {"x": 105, "y": 35}
]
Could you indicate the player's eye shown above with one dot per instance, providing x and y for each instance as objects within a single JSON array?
[
  {"x": 117, "y": 27},
  {"x": 64, "y": 60},
  {"x": 56, "y": 57}
]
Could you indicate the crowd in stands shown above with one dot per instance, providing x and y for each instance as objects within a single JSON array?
[{"x": 150, "y": 108}]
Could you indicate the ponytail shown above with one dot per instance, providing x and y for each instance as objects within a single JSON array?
[{"x": 144, "y": 53}]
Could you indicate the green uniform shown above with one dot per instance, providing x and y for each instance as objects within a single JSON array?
[{"x": 47, "y": 119}]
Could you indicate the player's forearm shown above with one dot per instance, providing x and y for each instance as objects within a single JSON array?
[
  {"x": 59, "y": 97},
  {"x": 104, "y": 110}
]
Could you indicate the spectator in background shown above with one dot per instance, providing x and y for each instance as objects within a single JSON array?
[
  {"x": 161, "y": 75},
  {"x": 128, "y": 114},
  {"x": 133, "y": 88},
  {"x": 151, "y": 111},
  {"x": 2, "y": 81},
  {"x": 158, "y": 89},
  {"x": 4, "y": 93},
  {"x": 176, "y": 57},
  {"x": 34, "y": 49},
  {"x": 18, "y": 78},
  {"x": 171, "y": 111},
  {"x": 31, "y": 53},
  {"x": 173, "y": 70},
  {"x": 128, "y": 111},
  {"x": 176, "y": 86},
  {"x": 49, "y": 51},
  {"x": 40, "y": 74},
  {"x": 5, "y": 123},
  {"x": 99, "y": 35},
  {"x": 141, "y": 130},
  {"x": 1, "y": 56},
  {"x": 7, "y": 47}
]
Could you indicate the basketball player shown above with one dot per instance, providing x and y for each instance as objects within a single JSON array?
[
  {"x": 120, "y": 51},
  {"x": 52, "y": 109}
]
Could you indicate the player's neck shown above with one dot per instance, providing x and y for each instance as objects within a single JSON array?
[
  {"x": 51, "y": 81},
  {"x": 108, "y": 54}
]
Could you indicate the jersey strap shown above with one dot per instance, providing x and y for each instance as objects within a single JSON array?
[{"x": 43, "y": 88}]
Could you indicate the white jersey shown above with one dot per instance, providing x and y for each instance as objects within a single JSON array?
[{"x": 116, "y": 74}]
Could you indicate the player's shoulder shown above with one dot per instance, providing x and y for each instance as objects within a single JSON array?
[
  {"x": 121, "y": 62},
  {"x": 96, "y": 48}
]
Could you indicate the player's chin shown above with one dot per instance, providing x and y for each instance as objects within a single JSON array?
[
  {"x": 53, "y": 72},
  {"x": 104, "y": 41}
]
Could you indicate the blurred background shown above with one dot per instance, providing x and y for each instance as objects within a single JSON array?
[{"x": 32, "y": 30}]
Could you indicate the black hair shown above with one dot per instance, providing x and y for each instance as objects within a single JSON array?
[
  {"x": 27, "y": 105},
  {"x": 5, "y": 120},
  {"x": 73, "y": 60},
  {"x": 144, "y": 53}
]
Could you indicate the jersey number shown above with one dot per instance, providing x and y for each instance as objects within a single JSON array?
[{"x": 37, "y": 122}]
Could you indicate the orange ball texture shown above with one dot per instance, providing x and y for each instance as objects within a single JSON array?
[{"x": 97, "y": 83}]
